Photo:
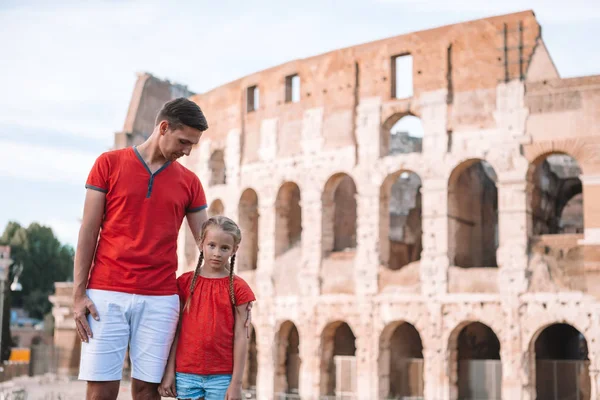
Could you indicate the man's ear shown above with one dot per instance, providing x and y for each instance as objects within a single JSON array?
[{"x": 163, "y": 126}]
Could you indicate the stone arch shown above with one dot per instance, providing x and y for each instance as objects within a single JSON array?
[
  {"x": 553, "y": 180},
  {"x": 287, "y": 361},
  {"x": 401, "y": 133},
  {"x": 474, "y": 360},
  {"x": 338, "y": 350},
  {"x": 473, "y": 215},
  {"x": 339, "y": 214},
  {"x": 400, "y": 228},
  {"x": 248, "y": 220},
  {"x": 288, "y": 224},
  {"x": 559, "y": 366},
  {"x": 251, "y": 370},
  {"x": 216, "y": 208},
  {"x": 401, "y": 362},
  {"x": 216, "y": 166}
]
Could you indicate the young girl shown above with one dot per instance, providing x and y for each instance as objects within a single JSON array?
[{"x": 209, "y": 350}]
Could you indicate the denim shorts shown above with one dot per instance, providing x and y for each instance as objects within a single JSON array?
[{"x": 192, "y": 386}]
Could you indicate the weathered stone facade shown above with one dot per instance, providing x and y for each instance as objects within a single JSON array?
[{"x": 506, "y": 259}]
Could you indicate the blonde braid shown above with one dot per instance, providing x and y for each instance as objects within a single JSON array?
[
  {"x": 231, "y": 290},
  {"x": 193, "y": 284}
]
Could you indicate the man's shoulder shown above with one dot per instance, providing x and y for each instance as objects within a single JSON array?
[
  {"x": 183, "y": 169},
  {"x": 114, "y": 155},
  {"x": 187, "y": 174}
]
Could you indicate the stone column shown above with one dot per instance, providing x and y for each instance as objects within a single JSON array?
[
  {"x": 364, "y": 348},
  {"x": 434, "y": 355},
  {"x": 312, "y": 252},
  {"x": 232, "y": 158},
  {"x": 512, "y": 233},
  {"x": 266, "y": 244},
  {"x": 434, "y": 115},
  {"x": 591, "y": 240},
  {"x": 310, "y": 368},
  {"x": 434, "y": 259},
  {"x": 366, "y": 263},
  {"x": 368, "y": 130},
  {"x": 265, "y": 357}
]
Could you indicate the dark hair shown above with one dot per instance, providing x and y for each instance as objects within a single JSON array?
[
  {"x": 182, "y": 111},
  {"x": 228, "y": 226}
]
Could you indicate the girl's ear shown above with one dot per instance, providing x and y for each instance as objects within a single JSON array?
[{"x": 235, "y": 249}]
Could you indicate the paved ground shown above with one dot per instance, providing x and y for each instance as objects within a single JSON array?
[{"x": 51, "y": 388}]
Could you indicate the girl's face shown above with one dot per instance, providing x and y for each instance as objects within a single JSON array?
[{"x": 218, "y": 247}]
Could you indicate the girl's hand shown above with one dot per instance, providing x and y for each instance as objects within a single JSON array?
[
  {"x": 167, "y": 386},
  {"x": 234, "y": 392}
]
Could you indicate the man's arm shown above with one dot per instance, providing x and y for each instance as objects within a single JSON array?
[
  {"x": 167, "y": 387},
  {"x": 93, "y": 212},
  {"x": 195, "y": 221}
]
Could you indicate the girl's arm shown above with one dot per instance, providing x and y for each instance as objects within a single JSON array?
[{"x": 240, "y": 347}]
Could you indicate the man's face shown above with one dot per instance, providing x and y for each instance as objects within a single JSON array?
[{"x": 177, "y": 142}]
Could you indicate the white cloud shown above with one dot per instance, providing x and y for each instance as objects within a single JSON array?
[{"x": 44, "y": 164}]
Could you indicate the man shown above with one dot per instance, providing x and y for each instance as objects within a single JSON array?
[{"x": 135, "y": 202}]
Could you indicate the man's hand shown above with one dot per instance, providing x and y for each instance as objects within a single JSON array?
[
  {"x": 167, "y": 386},
  {"x": 82, "y": 306},
  {"x": 234, "y": 392}
]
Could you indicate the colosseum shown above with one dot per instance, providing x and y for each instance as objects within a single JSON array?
[{"x": 417, "y": 214}]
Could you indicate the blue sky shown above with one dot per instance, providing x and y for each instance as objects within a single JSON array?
[{"x": 68, "y": 68}]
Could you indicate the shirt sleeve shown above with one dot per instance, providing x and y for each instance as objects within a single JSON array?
[
  {"x": 243, "y": 293},
  {"x": 182, "y": 288},
  {"x": 98, "y": 178},
  {"x": 198, "y": 200}
]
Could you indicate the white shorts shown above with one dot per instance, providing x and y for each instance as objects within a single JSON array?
[{"x": 146, "y": 323}]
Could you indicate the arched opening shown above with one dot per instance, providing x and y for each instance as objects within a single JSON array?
[
  {"x": 339, "y": 214},
  {"x": 473, "y": 215},
  {"x": 288, "y": 225},
  {"x": 287, "y": 372},
  {"x": 555, "y": 196},
  {"x": 476, "y": 353},
  {"x": 338, "y": 362},
  {"x": 251, "y": 370},
  {"x": 400, "y": 219},
  {"x": 216, "y": 165},
  {"x": 248, "y": 220},
  {"x": 402, "y": 134},
  {"x": 562, "y": 364},
  {"x": 555, "y": 224},
  {"x": 401, "y": 362},
  {"x": 216, "y": 208}
]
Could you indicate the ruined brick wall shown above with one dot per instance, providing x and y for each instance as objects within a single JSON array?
[{"x": 331, "y": 163}]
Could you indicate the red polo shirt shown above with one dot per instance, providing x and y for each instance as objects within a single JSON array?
[{"x": 137, "y": 247}]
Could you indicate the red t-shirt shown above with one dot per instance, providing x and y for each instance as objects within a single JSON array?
[
  {"x": 205, "y": 345},
  {"x": 137, "y": 247}
]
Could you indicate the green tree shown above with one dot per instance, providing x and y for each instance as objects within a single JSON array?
[{"x": 45, "y": 261}]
